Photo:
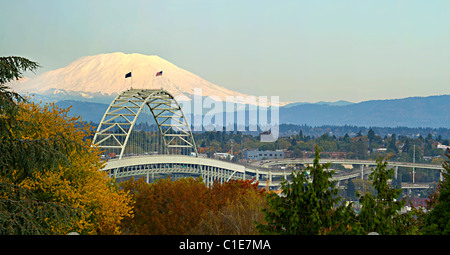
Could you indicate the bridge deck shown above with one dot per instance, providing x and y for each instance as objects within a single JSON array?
[
  {"x": 349, "y": 162},
  {"x": 213, "y": 169}
]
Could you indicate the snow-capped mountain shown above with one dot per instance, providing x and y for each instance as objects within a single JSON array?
[{"x": 101, "y": 77}]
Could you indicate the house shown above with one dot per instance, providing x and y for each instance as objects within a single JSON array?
[
  {"x": 380, "y": 150},
  {"x": 416, "y": 202}
]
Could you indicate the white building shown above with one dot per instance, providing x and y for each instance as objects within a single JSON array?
[
  {"x": 444, "y": 147},
  {"x": 223, "y": 155}
]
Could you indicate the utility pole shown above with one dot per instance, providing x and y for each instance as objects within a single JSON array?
[{"x": 414, "y": 161}]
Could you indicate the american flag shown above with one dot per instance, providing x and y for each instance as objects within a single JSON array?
[{"x": 159, "y": 73}]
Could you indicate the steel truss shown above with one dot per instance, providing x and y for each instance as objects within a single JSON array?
[{"x": 119, "y": 119}]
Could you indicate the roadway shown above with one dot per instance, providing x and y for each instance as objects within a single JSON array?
[
  {"x": 213, "y": 169},
  {"x": 276, "y": 162}
]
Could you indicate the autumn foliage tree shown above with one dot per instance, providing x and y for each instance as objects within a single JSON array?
[
  {"x": 223, "y": 193},
  {"x": 75, "y": 182},
  {"x": 188, "y": 206},
  {"x": 50, "y": 181},
  {"x": 234, "y": 208},
  {"x": 165, "y": 207},
  {"x": 21, "y": 210},
  {"x": 236, "y": 217}
]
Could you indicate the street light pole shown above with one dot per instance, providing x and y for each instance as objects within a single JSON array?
[{"x": 414, "y": 161}]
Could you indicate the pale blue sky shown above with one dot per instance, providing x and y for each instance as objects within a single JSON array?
[{"x": 299, "y": 50}]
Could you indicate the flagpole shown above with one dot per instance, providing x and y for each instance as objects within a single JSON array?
[
  {"x": 131, "y": 76},
  {"x": 160, "y": 74}
]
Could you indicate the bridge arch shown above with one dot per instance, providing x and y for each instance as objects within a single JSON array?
[{"x": 120, "y": 118}]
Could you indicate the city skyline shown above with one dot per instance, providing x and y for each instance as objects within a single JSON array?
[{"x": 302, "y": 51}]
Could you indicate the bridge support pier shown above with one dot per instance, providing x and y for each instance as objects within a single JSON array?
[
  {"x": 396, "y": 172},
  {"x": 147, "y": 179},
  {"x": 362, "y": 172}
]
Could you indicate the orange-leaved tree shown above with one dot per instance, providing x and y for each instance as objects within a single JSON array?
[
  {"x": 187, "y": 206},
  {"x": 166, "y": 207},
  {"x": 221, "y": 194},
  {"x": 75, "y": 182},
  {"x": 235, "y": 207}
]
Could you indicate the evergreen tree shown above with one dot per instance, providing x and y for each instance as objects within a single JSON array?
[
  {"x": 346, "y": 136},
  {"x": 407, "y": 146},
  {"x": 19, "y": 155},
  {"x": 350, "y": 190},
  {"x": 392, "y": 146},
  {"x": 308, "y": 208},
  {"x": 381, "y": 213},
  {"x": 437, "y": 221},
  {"x": 23, "y": 212},
  {"x": 371, "y": 136},
  {"x": 300, "y": 135}
]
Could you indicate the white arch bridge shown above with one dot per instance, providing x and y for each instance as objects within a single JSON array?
[{"x": 167, "y": 147}]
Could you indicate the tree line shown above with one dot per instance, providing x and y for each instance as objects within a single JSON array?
[
  {"x": 292, "y": 129},
  {"x": 360, "y": 146}
]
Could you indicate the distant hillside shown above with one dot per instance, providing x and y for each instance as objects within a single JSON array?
[
  {"x": 337, "y": 103},
  {"x": 339, "y": 131},
  {"x": 87, "y": 110},
  {"x": 432, "y": 111}
]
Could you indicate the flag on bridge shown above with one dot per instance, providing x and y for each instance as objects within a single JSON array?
[
  {"x": 128, "y": 75},
  {"x": 159, "y": 73}
]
